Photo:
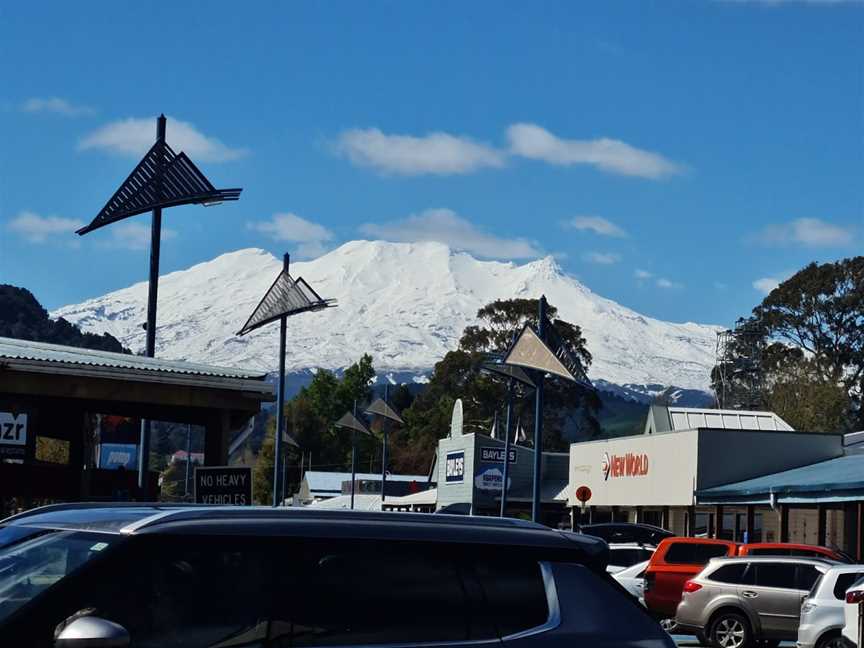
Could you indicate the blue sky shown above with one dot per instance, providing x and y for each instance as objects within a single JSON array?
[{"x": 677, "y": 157}]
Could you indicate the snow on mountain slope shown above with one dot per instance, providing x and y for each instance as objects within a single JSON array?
[{"x": 405, "y": 303}]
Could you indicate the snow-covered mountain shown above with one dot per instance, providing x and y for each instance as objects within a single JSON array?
[{"x": 405, "y": 303}]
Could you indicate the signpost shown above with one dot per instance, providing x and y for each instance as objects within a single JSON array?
[
  {"x": 225, "y": 485},
  {"x": 13, "y": 435},
  {"x": 583, "y": 494}
]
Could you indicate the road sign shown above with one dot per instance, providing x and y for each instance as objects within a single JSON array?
[
  {"x": 227, "y": 485},
  {"x": 13, "y": 435},
  {"x": 583, "y": 494}
]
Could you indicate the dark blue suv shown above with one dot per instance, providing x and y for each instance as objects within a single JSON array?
[{"x": 148, "y": 575}]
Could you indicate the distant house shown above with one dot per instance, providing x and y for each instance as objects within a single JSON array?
[{"x": 180, "y": 457}]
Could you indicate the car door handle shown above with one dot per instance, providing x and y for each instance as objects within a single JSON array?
[{"x": 749, "y": 594}]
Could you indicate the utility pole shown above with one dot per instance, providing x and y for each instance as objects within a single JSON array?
[
  {"x": 280, "y": 398},
  {"x": 507, "y": 447}
]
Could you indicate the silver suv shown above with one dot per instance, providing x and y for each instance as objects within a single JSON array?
[
  {"x": 823, "y": 614},
  {"x": 736, "y": 601}
]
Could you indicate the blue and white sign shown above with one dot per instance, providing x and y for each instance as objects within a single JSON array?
[
  {"x": 13, "y": 429},
  {"x": 490, "y": 478},
  {"x": 118, "y": 455},
  {"x": 455, "y": 467}
]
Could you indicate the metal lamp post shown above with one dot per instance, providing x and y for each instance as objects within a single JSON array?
[
  {"x": 381, "y": 409},
  {"x": 161, "y": 179},
  {"x": 350, "y": 421},
  {"x": 285, "y": 297}
]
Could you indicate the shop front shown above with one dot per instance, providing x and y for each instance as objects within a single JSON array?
[{"x": 654, "y": 477}]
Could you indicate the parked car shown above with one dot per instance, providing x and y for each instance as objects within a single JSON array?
[
  {"x": 626, "y": 554},
  {"x": 99, "y": 576},
  {"x": 822, "y": 613},
  {"x": 736, "y": 601},
  {"x": 632, "y": 579},
  {"x": 615, "y": 532},
  {"x": 852, "y": 613},
  {"x": 674, "y": 562},
  {"x": 791, "y": 549}
]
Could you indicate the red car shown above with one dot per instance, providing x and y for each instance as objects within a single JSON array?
[
  {"x": 789, "y": 549},
  {"x": 676, "y": 561}
]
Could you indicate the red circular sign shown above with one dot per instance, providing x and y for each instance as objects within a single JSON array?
[{"x": 583, "y": 494}]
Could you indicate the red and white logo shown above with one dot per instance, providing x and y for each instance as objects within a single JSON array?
[{"x": 626, "y": 465}]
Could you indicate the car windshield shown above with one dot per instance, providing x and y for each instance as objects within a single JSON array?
[{"x": 33, "y": 560}]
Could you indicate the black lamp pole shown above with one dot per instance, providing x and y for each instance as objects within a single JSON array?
[
  {"x": 507, "y": 447},
  {"x": 384, "y": 423},
  {"x": 280, "y": 399},
  {"x": 152, "y": 293},
  {"x": 538, "y": 419}
]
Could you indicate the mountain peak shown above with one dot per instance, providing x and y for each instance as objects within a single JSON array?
[{"x": 404, "y": 303}]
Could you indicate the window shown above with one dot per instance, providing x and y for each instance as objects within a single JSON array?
[
  {"x": 806, "y": 576},
  {"x": 729, "y": 573},
  {"x": 775, "y": 575},
  {"x": 515, "y": 593},
  {"x": 628, "y": 556},
  {"x": 844, "y": 582},
  {"x": 375, "y": 595},
  {"x": 694, "y": 553}
]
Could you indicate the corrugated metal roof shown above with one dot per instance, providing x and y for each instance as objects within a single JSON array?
[
  {"x": 689, "y": 418},
  {"x": 14, "y": 349},
  {"x": 840, "y": 477}
]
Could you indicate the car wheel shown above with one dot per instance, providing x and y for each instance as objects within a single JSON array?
[
  {"x": 669, "y": 625},
  {"x": 730, "y": 630},
  {"x": 831, "y": 641}
]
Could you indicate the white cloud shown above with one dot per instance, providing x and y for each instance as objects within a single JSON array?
[
  {"x": 436, "y": 153},
  {"x": 130, "y": 235},
  {"x": 613, "y": 156},
  {"x": 38, "y": 229},
  {"x": 667, "y": 283},
  {"x": 765, "y": 285},
  {"x": 596, "y": 224},
  {"x": 133, "y": 137},
  {"x": 57, "y": 106},
  {"x": 310, "y": 237},
  {"x": 642, "y": 275},
  {"x": 602, "y": 258},
  {"x": 808, "y": 232},
  {"x": 445, "y": 226}
]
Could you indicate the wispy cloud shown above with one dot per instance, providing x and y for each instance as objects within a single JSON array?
[
  {"x": 642, "y": 275},
  {"x": 610, "y": 155},
  {"x": 601, "y": 258},
  {"x": 436, "y": 153},
  {"x": 596, "y": 224},
  {"x": 807, "y": 232},
  {"x": 311, "y": 238},
  {"x": 130, "y": 235},
  {"x": 667, "y": 284},
  {"x": 133, "y": 136},
  {"x": 445, "y": 226},
  {"x": 57, "y": 106},
  {"x": 38, "y": 229}
]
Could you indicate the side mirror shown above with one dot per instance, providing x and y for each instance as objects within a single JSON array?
[{"x": 92, "y": 632}]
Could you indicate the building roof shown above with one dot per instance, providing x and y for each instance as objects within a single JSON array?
[
  {"x": 428, "y": 497},
  {"x": 663, "y": 418},
  {"x": 362, "y": 502},
  {"x": 834, "y": 480},
  {"x": 26, "y": 355},
  {"x": 323, "y": 483}
]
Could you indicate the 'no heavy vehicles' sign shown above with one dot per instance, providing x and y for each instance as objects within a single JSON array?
[{"x": 226, "y": 485}]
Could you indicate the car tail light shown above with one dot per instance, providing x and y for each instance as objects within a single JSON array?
[
  {"x": 691, "y": 586},
  {"x": 856, "y": 596}
]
